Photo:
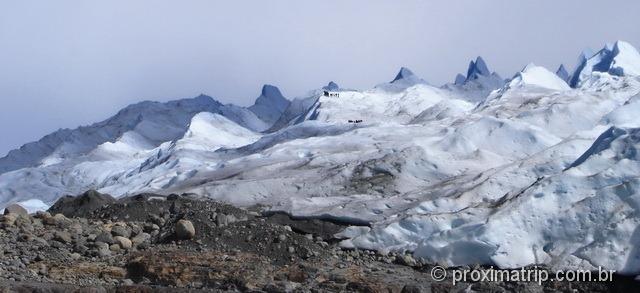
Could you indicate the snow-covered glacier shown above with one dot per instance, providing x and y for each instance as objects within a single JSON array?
[{"x": 540, "y": 168}]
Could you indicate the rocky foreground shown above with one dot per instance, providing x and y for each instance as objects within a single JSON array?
[{"x": 148, "y": 243}]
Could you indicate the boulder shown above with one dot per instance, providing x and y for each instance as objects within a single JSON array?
[
  {"x": 140, "y": 238},
  {"x": 120, "y": 230},
  {"x": 101, "y": 249},
  {"x": 42, "y": 215},
  {"x": 58, "y": 220},
  {"x": 9, "y": 220},
  {"x": 82, "y": 205},
  {"x": 105, "y": 238},
  {"x": 124, "y": 242},
  {"x": 15, "y": 209},
  {"x": 185, "y": 229},
  {"x": 62, "y": 236}
]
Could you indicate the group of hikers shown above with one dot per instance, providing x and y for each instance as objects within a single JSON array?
[{"x": 331, "y": 94}]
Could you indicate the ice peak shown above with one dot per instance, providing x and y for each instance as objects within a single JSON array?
[
  {"x": 477, "y": 68},
  {"x": 563, "y": 73},
  {"x": 478, "y": 83},
  {"x": 272, "y": 97},
  {"x": 270, "y": 91},
  {"x": 404, "y": 73},
  {"x": 270, "y": 104},
  {"x": 460, "y": 79},
  {"x": 332, "y": 86}
]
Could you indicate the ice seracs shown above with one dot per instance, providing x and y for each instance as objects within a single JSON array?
[
  {"x": 270, "y": 104},
  {"x": 477, "y": 69},
  {"x": 405, "y": 74},
  {"x": 332, "y": 86},
  {"x": 405, "y": 78},
  {"x": 478, "y": 82},
  {"x": 563, "y": 74},
  {"x": 619, "y": 59},
  {"x": 460, "y": 79}
]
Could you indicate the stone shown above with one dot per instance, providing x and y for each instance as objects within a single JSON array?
[
  {"x": 175, "y": 208},
  {"x": 58, "y": 220},
  {"x": 62, "y": 236},
  {"x": 114, "y": 247},
  {"x": 124, "y": 242},
  {"x": 406, "y": 260},
  {"x": 81, "y": 205},
  {"x": 40, "y": 242},
  {"x": 80, "y": 249},
  {"x": 231, "y": 219},
  {"x": 135, "y": 230},
  {"x": 103, "y": 252},
  {"x": 15, "y": 209},
  {"x": 185, "y": 229},
  {"x": 9, "y": 219},
  {"x": 140, "y": 238},
  {"x": 76, "y": 228},
  {"x": 105, "y": 237},
  {"x": 101, "y": 246},
  {"x": 119, "y": 230},
  {"x": 221, "y": 220},
  {"x": 24, "y": 223},
  {"x": 42, "y": 215}
]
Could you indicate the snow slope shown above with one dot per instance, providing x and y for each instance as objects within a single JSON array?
[
  {"x": 244, "y": 117},
  {"x": 532, "y": 171},
  {"x": 537, "y": 76},
  {"x": 155, "y": 122}
]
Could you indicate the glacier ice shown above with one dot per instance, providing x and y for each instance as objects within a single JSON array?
[
  {"x": 563, "y": 74},
  {"x": 618, "y": 59},
  {"x": 529, "y": 171},
  {"x": 477, "y": 84}
]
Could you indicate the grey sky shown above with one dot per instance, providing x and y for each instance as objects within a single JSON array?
[{"x": 68, "y": 63}]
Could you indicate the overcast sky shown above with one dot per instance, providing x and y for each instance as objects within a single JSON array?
[{"x": 70, "y": 63}]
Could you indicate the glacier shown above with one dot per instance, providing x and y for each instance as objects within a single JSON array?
[{"x": 541, "y": 168}]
